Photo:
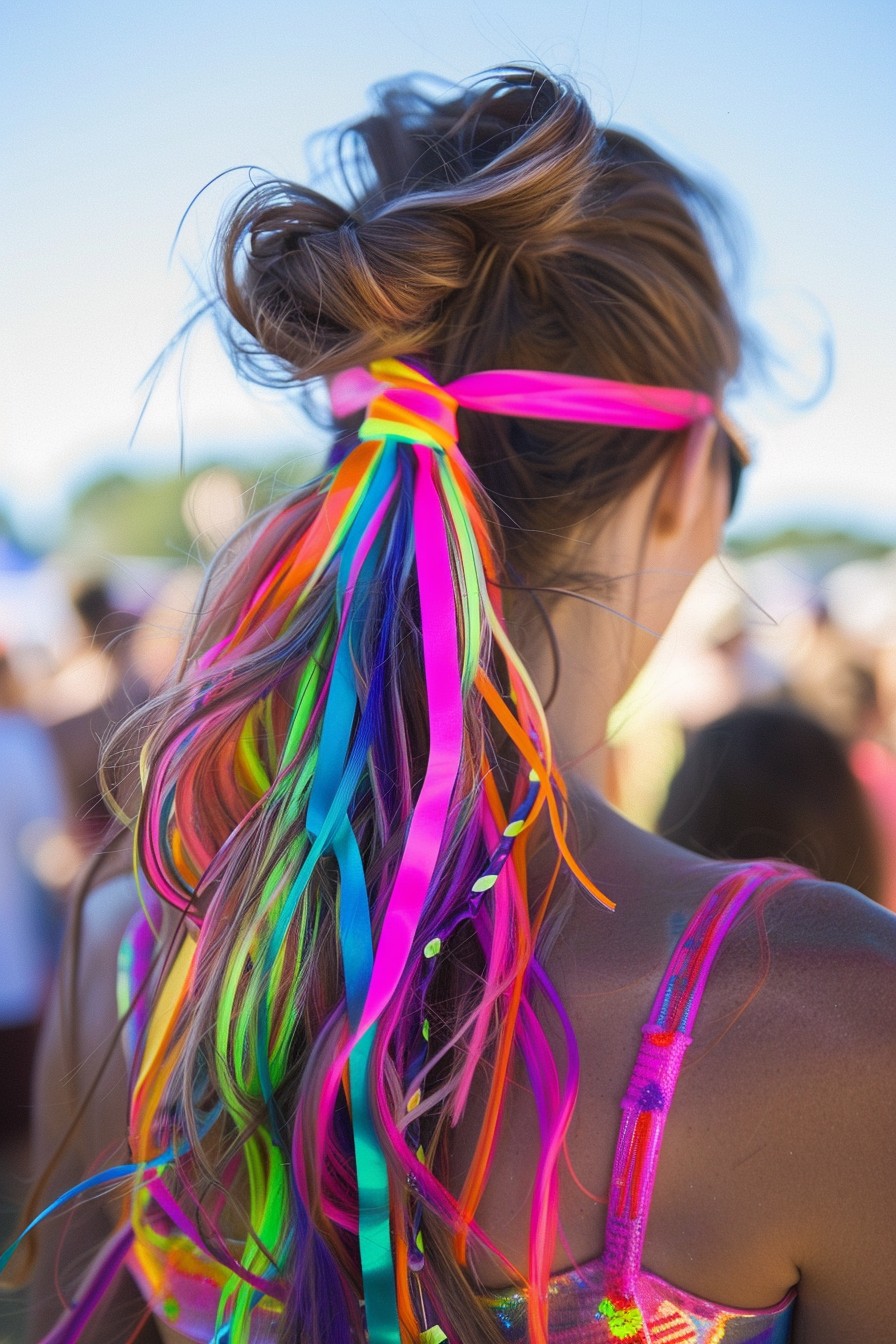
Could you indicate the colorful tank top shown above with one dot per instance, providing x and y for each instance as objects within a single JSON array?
[
  {"x": 608, "y": 1299},
  {"x": 613, "y": 1298}
]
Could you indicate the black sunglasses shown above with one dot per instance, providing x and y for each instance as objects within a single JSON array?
[{"x": 731, "y": 441}]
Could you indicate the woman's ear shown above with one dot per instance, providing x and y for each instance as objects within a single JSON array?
[{"x": 689, "y": 486}]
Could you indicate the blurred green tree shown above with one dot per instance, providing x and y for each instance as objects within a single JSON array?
[{"x": 121, "y": 513}]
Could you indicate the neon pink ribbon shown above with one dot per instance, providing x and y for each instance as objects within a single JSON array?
[
  {"x": 539, "y": 396},
  {"x": 441, "y": 666}
]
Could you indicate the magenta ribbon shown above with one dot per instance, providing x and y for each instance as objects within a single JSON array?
[
  {"x": 537, "y": 395},
  {"x": 441, "y": 668}
]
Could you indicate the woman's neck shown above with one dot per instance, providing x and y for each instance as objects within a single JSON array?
[{"x": 579, "y": 679}]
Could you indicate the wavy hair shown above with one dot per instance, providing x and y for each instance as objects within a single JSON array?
[{"x": 498, "y": 226}]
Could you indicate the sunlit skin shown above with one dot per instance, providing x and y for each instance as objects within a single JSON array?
[
  {"x": 767, "y": 1176},
  {"x": 648, "y": 551}
]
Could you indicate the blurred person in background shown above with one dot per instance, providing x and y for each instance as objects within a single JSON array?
[
  {"x": 32, "y": 816},
  {"x": 830, "y": 674},
  {"x": 872, "y": 756},
  {"x": 97, "y": 688},
  {"x": 710, "y": 663},
  {"x": 771, "y": 781}
]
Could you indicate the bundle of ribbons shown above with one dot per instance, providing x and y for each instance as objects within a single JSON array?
[{"x": 406, "y": 474}]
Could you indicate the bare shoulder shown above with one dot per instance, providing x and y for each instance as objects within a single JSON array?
[
  {"x": 811, "y": 983},
  {"x": 831, "y": 963},
  {"x": 807, "y": 910},
  {"x": 81, "y": 1076},
  {"x": 80, "y": 1122},
  {"x": 805, "y": 988},
  {"x": 85, "y": 992},
  {"x": 105, "y": 915}
]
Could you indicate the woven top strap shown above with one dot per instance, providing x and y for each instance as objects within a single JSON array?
[{"x": 664, "y": 1041}]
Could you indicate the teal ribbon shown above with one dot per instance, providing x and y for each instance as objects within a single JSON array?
[{"x": 341, "y": 760}]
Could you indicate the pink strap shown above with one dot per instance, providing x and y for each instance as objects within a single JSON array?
[
  {"x": 172, "y": 1209},
  {"x": 544, "y": 396},
  {"x": 664, "y": 1042}
]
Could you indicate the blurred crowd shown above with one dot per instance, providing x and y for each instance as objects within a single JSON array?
[
  {"x": 77, "y": 653},
  {"x": 764, "y": 725}
]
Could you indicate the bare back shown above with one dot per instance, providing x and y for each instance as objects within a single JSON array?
[
  {"x": 773, "y": 1172},
  {"x": 769, "y": 1167}
]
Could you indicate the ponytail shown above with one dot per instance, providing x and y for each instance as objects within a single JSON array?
[{"x": 371, "y": 840}]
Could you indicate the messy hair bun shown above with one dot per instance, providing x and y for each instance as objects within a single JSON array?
[
  {"x": 321, "y": 289},
  {"x": 498, "y": 226},
  {"x": 321, "y": 286}
]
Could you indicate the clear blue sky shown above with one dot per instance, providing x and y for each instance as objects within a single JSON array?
[{"x": 114, "y": 115}]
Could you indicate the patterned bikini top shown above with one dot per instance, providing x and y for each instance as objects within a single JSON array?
[{"x": 608, "y": 1299}]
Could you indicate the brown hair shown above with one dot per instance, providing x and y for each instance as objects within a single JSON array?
[
  {"x": 489, "y": 227},
  {"x": 496, "y": 227}
]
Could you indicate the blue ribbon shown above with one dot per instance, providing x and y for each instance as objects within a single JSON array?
[{"x": 342, "y": 755}]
